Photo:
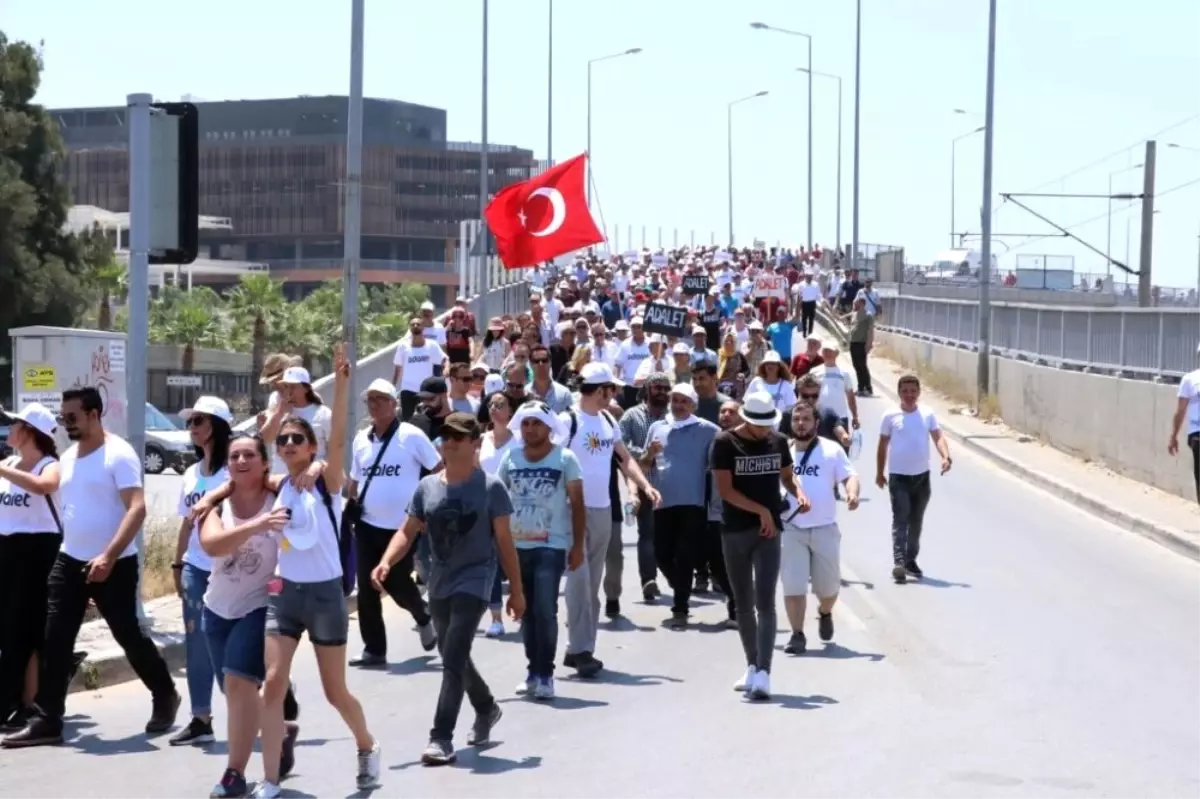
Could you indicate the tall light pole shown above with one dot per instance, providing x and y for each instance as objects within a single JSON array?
[
  {"x": 550, "y": 85},
  {"x": 762, "y": 26},
  {"x": 485, "y": 277},
  {"x": 857, "y": 115},
  {"x": 1108, "y": 235},
  {"x": 838, "y": 78},
  {"x": 729, "y": 141},
  {"x": 985, "y": 213},
  {"x": 1174, "y": 146},
  {"x": 953, "y": 144},
  {"x": 352, "y": 221},
  {"x": 630, "y": 51}
]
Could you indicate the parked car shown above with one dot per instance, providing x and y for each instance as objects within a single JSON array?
[
  {"x": 5, "y": 449},
  {"x": 168, "y": 445}
]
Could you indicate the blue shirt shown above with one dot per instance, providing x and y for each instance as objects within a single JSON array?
[
  {"x": 780, "y": 334},
  {"x": 728, "y": 303},
  {"x": 541, "y": 516}
]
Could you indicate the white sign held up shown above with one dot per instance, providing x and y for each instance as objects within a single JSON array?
[{"x": 775, "y": 286}]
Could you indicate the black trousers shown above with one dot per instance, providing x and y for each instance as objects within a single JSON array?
[
  {"x": 858, "y": 357},
  {"x": 116, "y": 599},
  {"x": 408, "y": 404},
  {"x": 372, "y": 542},
  {"x": 1194, "y": 442},
  {"x": 25, "y": 563},
  {"x": 677, "y": 533},
  {"x": 808, "y": 317},
  {"x": 646, "y": 549},
  {"x": 710, "y": 561},
  {"x": 456, "y": 619},
  {"x": 910, "y": 497}
]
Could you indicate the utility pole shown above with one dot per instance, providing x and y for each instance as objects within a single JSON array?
[
  {"x": 985, "y": 212},
  {"x": 1147, "y": 254},
  {"x": 352, "y": 213}
]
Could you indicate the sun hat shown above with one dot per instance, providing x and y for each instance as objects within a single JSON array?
[
  {"x": 36, "y": 416},
  {"x": 210, "y": 406},
  {"x": 759, "y": 409},
  {"x": 296, "y": 375},
  {"x": 273, "y": 368}
]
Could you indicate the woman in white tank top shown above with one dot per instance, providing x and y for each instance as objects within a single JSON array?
[{"x": 495, "y": 442}]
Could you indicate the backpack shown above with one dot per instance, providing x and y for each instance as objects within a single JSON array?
[
  {"x": 347, "y": 551},
  {"x": 575, "y": 424}
]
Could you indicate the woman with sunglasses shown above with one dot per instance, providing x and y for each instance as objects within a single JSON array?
[
  {"x": 208, "y": 424},
  {"x": 297, "y": 399},
  {"x": 494, "y": 349},
  {"x": 30, "y": 535},
  {"x": 494, "y": 443}
]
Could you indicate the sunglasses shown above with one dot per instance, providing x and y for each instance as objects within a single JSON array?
[
  {"x": 194, "y": 420},
  {"x": 294, "y": 439},
  {"x": 70, "y": 418}
]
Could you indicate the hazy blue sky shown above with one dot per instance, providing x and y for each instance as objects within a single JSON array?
[{"x": 1079, "y": 84}]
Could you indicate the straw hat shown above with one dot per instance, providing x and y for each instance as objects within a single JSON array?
[{"x": 273, "y": 368}]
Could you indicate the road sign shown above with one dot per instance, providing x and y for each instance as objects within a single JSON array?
[{"x": 183, "y": 381}]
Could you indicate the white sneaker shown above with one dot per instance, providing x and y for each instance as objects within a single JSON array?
[
  {"x": 266, "y": 790},
  {"x": 746, "y": 681},
  {"x": 495, "y": 629},
  {"x": 761, "y": 687},
  {"x": 369, "y": 768},
  {"x": 544, "y": 689},
  {"x": 528, "y": 687}
]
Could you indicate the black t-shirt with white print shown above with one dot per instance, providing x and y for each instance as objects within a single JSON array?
[{"x": 755, "y": 466}]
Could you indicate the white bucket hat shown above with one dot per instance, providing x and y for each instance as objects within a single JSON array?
[
  {"x": 210, "y": 406},
  {"x": 35, "y": 415},
  {"x": 540, "y": 411}
]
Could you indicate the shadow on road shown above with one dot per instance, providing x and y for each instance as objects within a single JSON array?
[
  {"x": 621, "y": 624},
  {"x": 865, "y": 584},
  {"x": 834, "y": 651},
  {"x": 612, "y": 677},
  {"x": 934, "y": 582},
  {"x": 477, "y": 761},
  {"x": 557, "y": 703},
  {"x": 420, "y": 663},
  {"x": 792, "y": 702}
]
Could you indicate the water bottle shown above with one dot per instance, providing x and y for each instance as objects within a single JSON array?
[
  {"x": 855, "y": 444},
  {"x": 629, "y": 517}
]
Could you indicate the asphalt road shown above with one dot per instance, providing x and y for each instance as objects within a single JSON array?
[{"x": 1045, "y": 654}]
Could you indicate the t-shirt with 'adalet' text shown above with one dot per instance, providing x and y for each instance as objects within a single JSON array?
[{"x": 755, "y": 466}]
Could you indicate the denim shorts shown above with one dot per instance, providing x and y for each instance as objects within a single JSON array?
[
  {"x": 316, "y": 608},
  {"x": 236, "y": 645}
]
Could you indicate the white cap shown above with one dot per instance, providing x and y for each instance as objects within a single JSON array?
[
  {"x": 755, "y": 325},
  {"x": 657, "y": 338},
  {"x": 686, "y": 390},
  {"x": 296, "y": 375},
  {"x": 210, "y": 406},
  {"x": 829, "y": 344},
  {"x": 681, "y": 348},
  {"x": 380, "y": 386},
  {"x": 771, "y": 356},
  {"x": 815, "y": 337},
  {"x": 564, "y": 326},
  {"x": 541, "y": 412},
  {"x": 598, "y": 374},
  {"x": 759, "y": 409},
  {"x": 698, "y": 330},
  {"x": 637, "y": 320},
  {"x": 621, "y": 325},
  {"x": 39, "y": 418},
  {"x": 493, "y": 383},
  {"x": 427, "y": 306}
]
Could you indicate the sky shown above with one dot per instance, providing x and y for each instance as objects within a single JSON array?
[{"x": 1080, "y": 86}]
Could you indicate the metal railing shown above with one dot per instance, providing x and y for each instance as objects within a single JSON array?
[{"x": 1131, "y": 342}]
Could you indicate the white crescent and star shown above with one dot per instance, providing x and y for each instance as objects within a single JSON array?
[{"x": 557, "y": 204}]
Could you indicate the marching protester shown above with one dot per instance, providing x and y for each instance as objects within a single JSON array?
[
  {"x": 1187, "y": 408},
  {"x": 838, "y": 390},
  {"x": 465, "y": 513},
  {"x": 700, "y": 352},
  {"x": 297, "y": 399},
  {"x": 809, "y": 294},
  {"x": 659, "y": 361},
  {"x": 804, "y": 362},
  {"x": 389, "y": 457},
  {"x": 904, "y": 436},
  {"x": 635, "y": 427},
  {"x": 496, "y": 441},
  {"x": 862, "y": 340},
  {"x": 710, "y": 561},
  {"x": 774, "y": 380},
  {"x": 755, "y": 348},
  {"x": 417, "y": 359},
  {"x": 811, "y": 539},
  {"x": 208, "y": 422},
  {"x": 103, "y": 507},
  {"x": 542, "y": 387},
  {"x": 30, "y": 537},
  {"x": 733, "y": 370},
  {"x": 494, "y": 348},
  {"x": 458, "y": 383}
]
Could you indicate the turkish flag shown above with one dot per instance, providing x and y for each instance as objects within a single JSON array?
[{"x": 543, "y": 217}]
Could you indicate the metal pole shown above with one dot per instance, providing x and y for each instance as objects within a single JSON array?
[
  {"x": 953, "y": 147},
  {"x": 857, "y": 120},
  {"x": 485, "y": 279},
  {"x": 352, "y": 220},
  {"x": 810, "y": 144},
  {"x": 1147, "y": 253},
  {"x": 985, "y": 282},
  {"x": 589, "y": 135},
  {"x": 139, "y": 290},
  {"x": 550, "y": 85},
  {"x": 729, "y": 160},
  {"x": 1108, "y": 233},
  {"x": 839, "y": 165}
]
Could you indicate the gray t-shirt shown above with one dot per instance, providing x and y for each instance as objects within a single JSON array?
[{"x": 458, "y": 519}]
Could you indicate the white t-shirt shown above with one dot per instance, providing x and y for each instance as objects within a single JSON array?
[
  {"x": 593, "y": 445},
  {"x": 321, "y": 419},
  {"x": 1189, "y": 389},
  {"x": 827, "y": 467},
  {"x": 809, "y": 292},
  {"x": 397, "y": 476},
  {"x": 650, "y": 365},
  {"x": 322, "y": 562},
  {"x": 238, "y": 583},
  {"x": 90, "y": 488},
  {"x": 195, "y": 486},
  {"x": 835, "y": 287},
  {"x": 835, "y": 382},
  {"x": 871, "y": 298},
  {"x": 554, "y": 309},
  {"x": 606, "y": 353},
  {"x": 629, "y": 356},
  {"x": 908, "y": 450},
  {"x": 417, "y": 363},
  {"x": 22, "y": 511},
  {"x": 436, "y": 332},
  {"x": 782, "y": 393},
  {"x": 490, "y": 455}
]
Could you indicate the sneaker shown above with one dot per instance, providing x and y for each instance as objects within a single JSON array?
[
  {"x": 428, "y": 636},
  {"x": 162, "y": 716},
  {"x": 267, "y": 790},
  {"x": 544, "y": 689},
  {"x": 796, "y": 645},
  {"x": 571, "y": 660},
  {"x": 898, "y": 574},
  {"x": 612, "y": 608},
  {"x": 287, "y": 756},
  {"x": 700, "y": 586},
  {"x": 825, "y": 626},
  {"x": 650, "y": 591},
  {"x": 198, "y": 731},
  {"x": 18, "y": 719},
  {"x": 731, "y": 623},
  {"x": 913, "y": 569},
  {"x": 495, "y": 629},
  {"x": 679, "y": 620},
  {"x": 368, "y": 767},
  {"x": 481, "y": 730},
  {"x": 439, "y": 753},
  {"x": 586, "y": 665},
  {"x": 746, "y": 681},
  {"x": 367, "y": 660},
  {"x": 291, "y": 705},
  {"x": 232, "y": 783},
  {"x": 38, "y": 732},
  {"x": 761, "y": 686},
  {"x": 528, "y": 687}
]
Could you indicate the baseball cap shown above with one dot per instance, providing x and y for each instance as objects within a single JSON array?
[
  {"x": 621, "y": 325},
  {"x": 296, "y": 375},
  {"x": 36, "y": 416},
  {"x": 464, "y": 423},
  {"x": 699, "y": 330},
  {"x": 686, "y": 390},
  {"x": 681, "y": 349},
  {"x": 432, "y": 386},
  {"x": 755, "y": 325},
  {"x": 598, "y": 374},
  {"x": 637, "y": 320},
  {"x": 427, "y": 306},
  {"x": 380, "y": 386},
  {"x": 208, "y": 405}
]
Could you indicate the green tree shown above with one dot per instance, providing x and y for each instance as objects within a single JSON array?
[
  {"x": 105, "y": 276},
  {"x": 191, "y": 324},
  {"x": 41, "y": 269},
  {"x": 254, "y": 304}
]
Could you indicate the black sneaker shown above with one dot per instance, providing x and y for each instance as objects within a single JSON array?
[
  {"x": 291, "y": 706},
  {"x": 650, "y": 591},
  {"x": 570, "y": 660},
  {"x": 233, "y": 783},
  {"x": 700, "y": 586},
  {"x": 796, "y": 645},
  {"x": 586, "y": 665},
  {"x": 913, "y": 569},
  {"x": 678, "y": 620},
  {"x": 369, "y": 661},
  {"x": 481, "y": 730},
  {"x": 17, "y": 719},
  {"x": 825, "y": 626},
  {"x": 198, "y": 731},
  {"x": 287, "y": 757},
  {"x": 162, "y": 716},
  {"x": 898, "y": 574},
  {"x": 39, "y": 731},
  {"x": 612, "y": 608}
]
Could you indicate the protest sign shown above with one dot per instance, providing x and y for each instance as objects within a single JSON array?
[
  {"x": 659, "y": 260},
  {"x": 695, "y": 284},
  {"x": 771, "y": 286},
  {"x": 722, "y": 257},
  {"x": 670, "y": 320}
]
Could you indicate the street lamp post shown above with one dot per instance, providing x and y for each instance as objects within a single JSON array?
[
  {"x": 985, "y": 212},
  {"x": 857, "y": 119},
  {"x": 762, "y": 26},
  {"x": 729, "y": 142},
  {"x": 838, "y": 78},
  {"x": 953, "y": 144},
  {"x": 550, "y": 84},
  {"x": 1108, "y": 237},
  {"x": 630, "y": 51}
]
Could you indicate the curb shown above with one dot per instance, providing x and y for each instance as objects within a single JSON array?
[{"x": 111, "y": 667}]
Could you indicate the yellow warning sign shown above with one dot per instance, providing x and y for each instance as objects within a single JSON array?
[{"x": 38, "y": 378}]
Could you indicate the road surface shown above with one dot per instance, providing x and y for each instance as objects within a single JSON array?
[{"x": 1045, "y": 654}]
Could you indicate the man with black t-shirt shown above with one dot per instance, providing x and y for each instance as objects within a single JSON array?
[
  {"x": 458, "y": 337},
  {"x": 710, "y": 319}
]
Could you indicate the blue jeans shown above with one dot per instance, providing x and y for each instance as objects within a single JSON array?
[
  {"x": 237, "y": 646},
  {"x": 199, "y": 664},
  {"x": 497, "y": 599},
  {"x": 541, "y": 574}
]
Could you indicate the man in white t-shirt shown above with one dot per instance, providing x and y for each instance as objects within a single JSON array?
[
  {"x": 103, "y": 507},
  {"x": 592, "y": 434},
  {"x": 808, "y": 293},
  {"x": 1187, "y": 406},
  {"x": 385, "y": 465},
  {"x": 433, "y": 329},
  {"x": 838, "y": 389},
  {"x": 811, "y": 540},
  {"x": 417, "y": 358},
  {"x": 904, "y": 437}
]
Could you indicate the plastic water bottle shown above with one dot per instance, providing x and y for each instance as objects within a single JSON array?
[{"x": 855, "y": 444}]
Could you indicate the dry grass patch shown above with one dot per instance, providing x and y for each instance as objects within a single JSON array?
[
  {"x": 943, "y": 381},
  {"x": 160, "y": 538}
]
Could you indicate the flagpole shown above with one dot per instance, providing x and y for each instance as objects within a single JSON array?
[{"x": 484, "y": 261}]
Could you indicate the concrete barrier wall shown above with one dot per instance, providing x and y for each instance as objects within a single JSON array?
[{"x": 1121, "y": 424}]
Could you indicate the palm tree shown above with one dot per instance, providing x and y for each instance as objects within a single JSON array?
[
  {"x": 105, "y": 275},
  {"x": 190, "y": 325},
  {"x": 257, "y": 300}
]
